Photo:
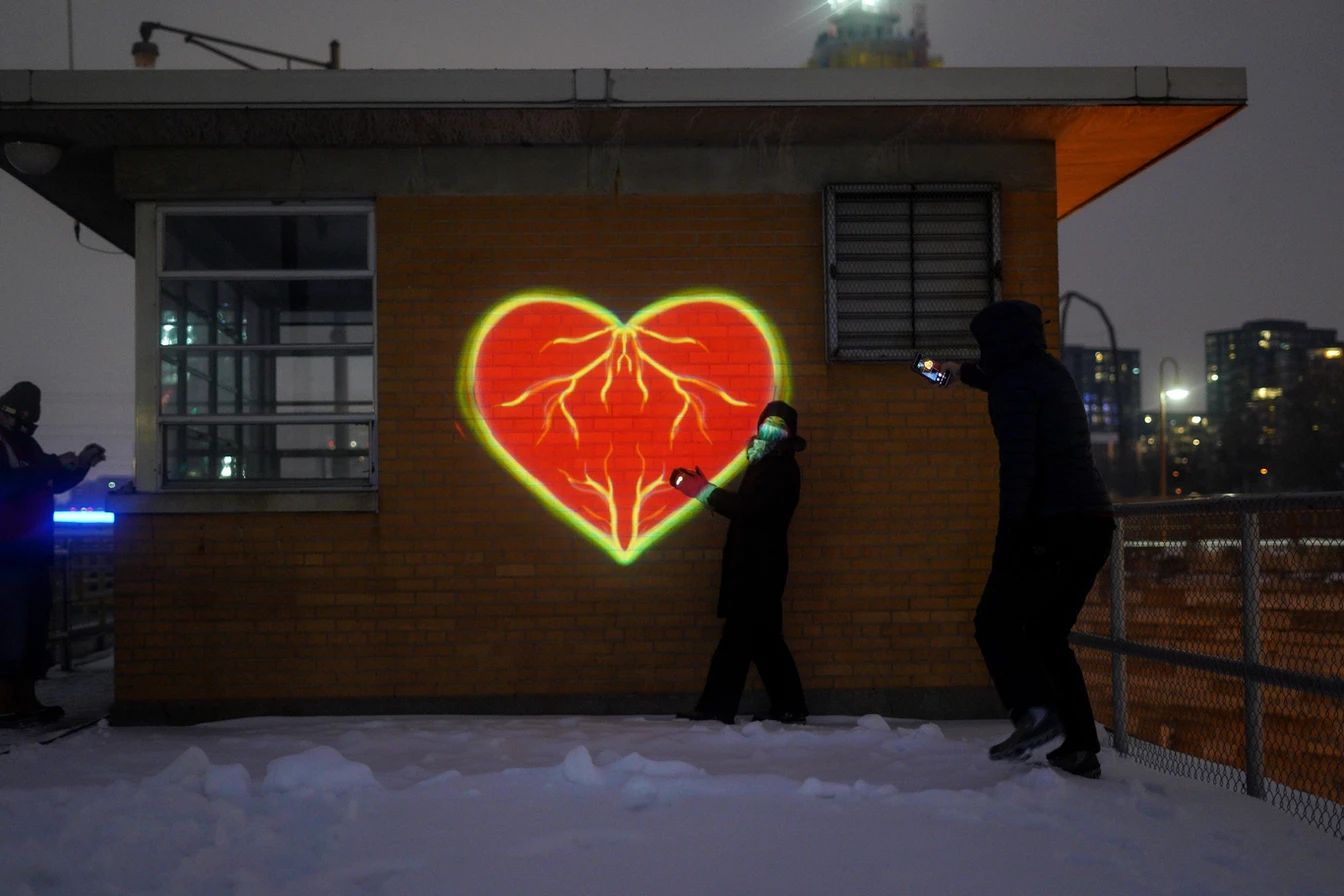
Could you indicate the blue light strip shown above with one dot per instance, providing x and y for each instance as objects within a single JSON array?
[{"x": 84, "y": 516}]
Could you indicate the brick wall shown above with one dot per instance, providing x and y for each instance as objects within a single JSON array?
[{"x": 463, "y": 586}]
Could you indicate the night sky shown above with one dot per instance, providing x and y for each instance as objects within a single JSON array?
[{"x": 1245, "y": 222}]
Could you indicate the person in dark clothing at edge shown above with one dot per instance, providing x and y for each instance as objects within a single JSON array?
[
  {"x": 755, "y": 567},
  {"x": 1054, "y": 535},
  {"x": 29, "y": 482}
]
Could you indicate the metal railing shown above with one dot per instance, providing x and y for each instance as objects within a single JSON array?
[
  {"x": 82, "y": 612},
  {"x": 1213, "y": 645}
]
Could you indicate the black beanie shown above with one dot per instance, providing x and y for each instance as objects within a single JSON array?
[
  {"x": 23, "y": 398},
  {"x": 784, "y": 412}
]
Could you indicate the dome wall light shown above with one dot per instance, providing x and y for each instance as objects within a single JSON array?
[{"x": 31, "y": 157}]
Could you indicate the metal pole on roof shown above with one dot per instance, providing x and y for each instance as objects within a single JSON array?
[{"x": 146, "y": 52}]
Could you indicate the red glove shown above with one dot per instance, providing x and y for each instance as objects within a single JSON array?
[{"x": 689, "y": 483}]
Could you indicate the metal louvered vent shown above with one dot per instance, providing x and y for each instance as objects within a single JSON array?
[{"x": 907, "y": 267}]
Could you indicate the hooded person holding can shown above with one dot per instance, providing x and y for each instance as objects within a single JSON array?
[
  {"x": 755, "y": 568},
  {"x": 1054, "y": 534}
]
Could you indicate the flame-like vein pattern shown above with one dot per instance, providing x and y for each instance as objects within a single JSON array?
[{"x": 624, "y": 337}]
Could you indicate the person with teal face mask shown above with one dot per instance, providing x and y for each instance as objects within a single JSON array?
[{"x": 755, "y": 568}]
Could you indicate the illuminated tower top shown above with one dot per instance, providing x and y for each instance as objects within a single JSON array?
[{"x": 867, "y": 34}]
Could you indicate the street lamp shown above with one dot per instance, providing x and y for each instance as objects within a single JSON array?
[
  {"x": 1175, "y": 393},
  {"x": 1122, "y": 429}
]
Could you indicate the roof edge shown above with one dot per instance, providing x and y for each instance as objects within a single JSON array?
[{"x": 1159, "y": 85}]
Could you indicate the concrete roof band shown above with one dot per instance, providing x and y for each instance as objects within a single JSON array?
[
  {"x": 626, "y": 87},
  {"x": 1106, "y": 124}
]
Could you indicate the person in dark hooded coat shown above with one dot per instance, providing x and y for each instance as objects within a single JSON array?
[
  {"x": 755, "y": 568},
  {"x": 29, "y": 481},
  {"x": 1054, "y": 534}
]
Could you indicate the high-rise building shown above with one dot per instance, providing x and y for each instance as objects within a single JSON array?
[
  {"x": 1258, "y": 362},
  {"x": 867, "y": 34},
  {"x": 1110, "y": 391},
  {"x": 1111, "y": 397},
  {"x": 1260, "y": 394}
]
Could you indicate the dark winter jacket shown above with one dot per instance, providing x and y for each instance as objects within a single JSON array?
[
  {"x": 29, "y": 483},
  {"x": 1045, "y": 448},
  {"x": 756, "y": 552}
]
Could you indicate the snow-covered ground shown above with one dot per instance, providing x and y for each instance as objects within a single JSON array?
[{"x": 458, "y": 805}]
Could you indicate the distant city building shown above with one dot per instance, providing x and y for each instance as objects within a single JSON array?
[
  {"x": 1110, "y": 392},
  {"x": 1259, "y": 361},
  {"x": 1269, "y": 383},
  {"x": 1316, "y": 425},
  {"x": 1190, "y": 448},
  {"x": 1111, "y": 399},
  {"x": 867, "y": 34}
]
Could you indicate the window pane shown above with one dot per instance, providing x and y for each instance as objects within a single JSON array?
[
  {"x": 298, "y": 380},
  {"x": 265, "y": 312},
  {"x": 270, "y": 452},
  {"x": 234, "y": 242}
]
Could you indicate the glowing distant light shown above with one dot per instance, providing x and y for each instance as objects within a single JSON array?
[
  {"x": 865, "y": 5},
  {"x": 354, "y": 444},
  {"x": 1196, "y": 419},
  {"x": 86, "y": 517},
  {"x": 1135, "y": 371},
  {"x": 1177, "y": 394},
  {"x": 111, "y": 485},
  {"x": 1147, "y": 418},
  {"x": 1264, "y": 471},
  {"x": 1196, "y": 442},
  {"x": 1333, "y": 352},
  {"x": 1213, "y": 377}
]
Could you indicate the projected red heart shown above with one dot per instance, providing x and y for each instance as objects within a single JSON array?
[{"x": 592, "y": 413}]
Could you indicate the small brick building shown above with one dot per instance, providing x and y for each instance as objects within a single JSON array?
[{"x": 415, "y": 351}]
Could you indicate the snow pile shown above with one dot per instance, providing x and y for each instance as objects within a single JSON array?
[
  {"x": 873, "y": 722},
  {"x": 321, "y": 768},
  {"x": 416, "y": 805}
]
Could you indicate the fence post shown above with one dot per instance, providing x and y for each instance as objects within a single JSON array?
[
  {"x": 1119, "y": 702},
  {"x": 1250, "y": 641},
  {"x": 67, "y": 660}
]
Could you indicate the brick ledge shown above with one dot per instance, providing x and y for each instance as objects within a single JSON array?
[{"x": 910, "y": 703}]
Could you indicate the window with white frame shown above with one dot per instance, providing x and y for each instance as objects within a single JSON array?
[
  {"x": 266, "y": 346},
  {"x": 907, "y": 267}
]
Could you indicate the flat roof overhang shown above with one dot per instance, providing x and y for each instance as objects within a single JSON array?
[{"x": 1107, "y": 124}]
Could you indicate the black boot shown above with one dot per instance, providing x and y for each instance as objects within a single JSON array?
[
  {"x": 1083, "y": 763},
  {"x": 1034, "y": 727}
]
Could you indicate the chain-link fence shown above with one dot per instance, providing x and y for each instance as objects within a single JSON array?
[
  {"x": 81, "y": 607},
  {"x": 1213, "y": 645}
]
